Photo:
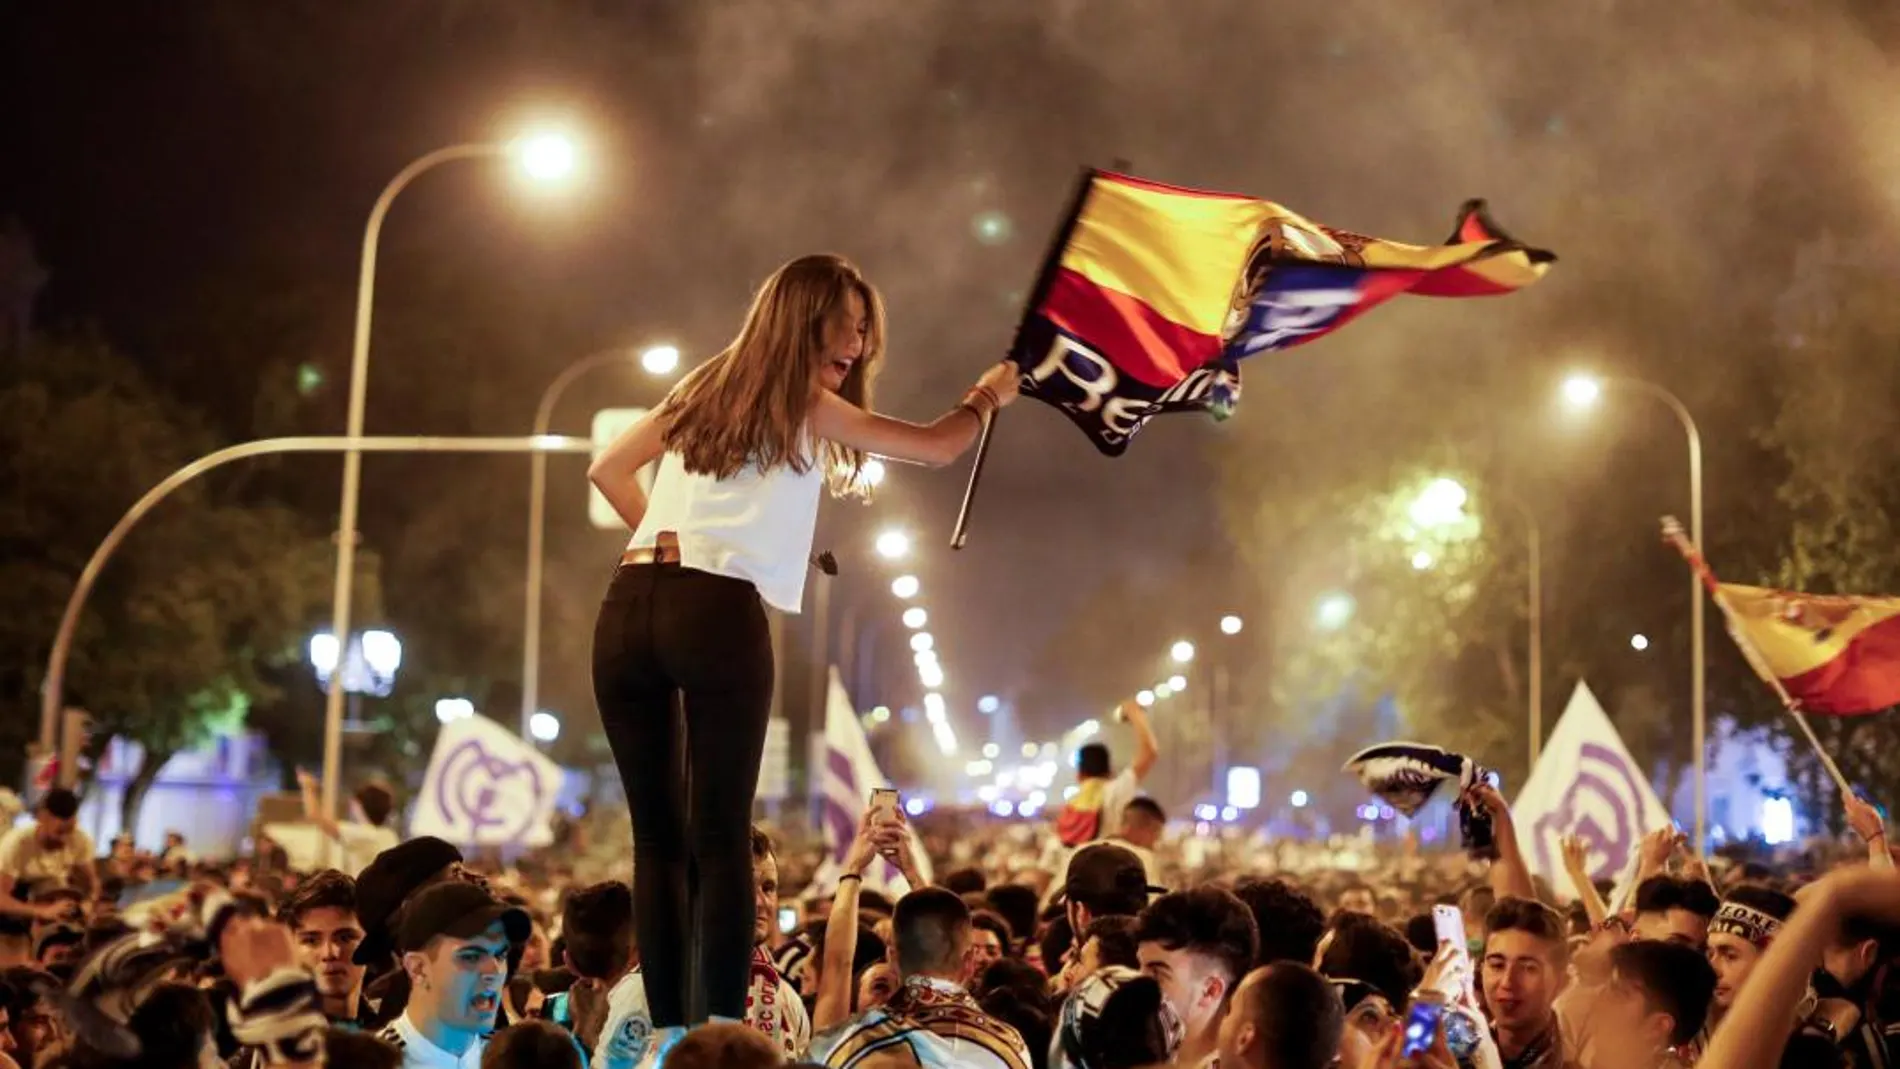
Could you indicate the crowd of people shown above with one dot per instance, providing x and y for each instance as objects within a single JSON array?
[{"x": 424, "y": 958}]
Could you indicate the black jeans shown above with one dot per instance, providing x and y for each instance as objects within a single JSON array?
[{"x": 683, "y": 676}]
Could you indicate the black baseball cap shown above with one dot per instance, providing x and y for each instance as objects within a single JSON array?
[
  {"x": 458, "y": 910},
  {"x": 1108, "y": 879},
  {"x": 387, "y": 882}
]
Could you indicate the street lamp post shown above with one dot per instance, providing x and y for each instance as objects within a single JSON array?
[
  {"x": 543, "y": 157},
  {"x": 1584, "y": 390},
  {"x": 653, "y": 360}
]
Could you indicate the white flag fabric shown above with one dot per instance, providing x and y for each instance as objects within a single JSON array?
[
  {"x": 486, "y": 787},
  {"x": 1585, "y": 784},
  {"x": 847, "y": 773}
]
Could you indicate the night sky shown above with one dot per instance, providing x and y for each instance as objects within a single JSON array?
[{"x": 194, "y": 177}]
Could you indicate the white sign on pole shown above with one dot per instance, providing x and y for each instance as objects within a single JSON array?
[
  {"x": 486, "y": 787},
  {"x": 1585, "y": 784},
  {"x": 608, "y": 423}
]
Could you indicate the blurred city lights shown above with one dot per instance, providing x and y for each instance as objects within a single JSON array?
[
  {"x": 544, "y": 726},
  {"x": 881, "y": 713},
  {"x": 1088, "y": 728},
  {"x": 1182, "y": 652},
  {"x": 1229, "y": 814},
  {"x": 933, "y": 706},
  {"x": 873, "y": 472},
  {"x": 1421, "y": 560},
  {"x": 990, "y": 749},
  {"x": 1230, "y": 625},
  {"x": 924, "y": 657},
  {"x": 922, "y": 642},
  {"x": 930, "y": 675},
  {"x": 1243, "y": 787},
  {"x": 545, "y": 157},
  {"x": 1639, "y": 643},
  {"x": 978, "y": 768},
  {"x": 660, "y": 360},
  {"x": 1145, "y": 698},
  {"x": 1162, "y": 690},
  {"x": 893, "y": 545},
  {"x": 905, "y": 587},
  {"x": 988, "y": 704},
  {"x": 1029, "y": 749},
  {"x": 449, "y": 710},
  {"x": 1299, "y": 799},
  {"x": 1582, "y": 391},
  {"x": 1177, "y": 683},
  {"x": 1334, "y": 611},
  {"x": 915, "y": 617},
  {"x": 915, "y": 806},
  {"x": 1440, "y": 504}
]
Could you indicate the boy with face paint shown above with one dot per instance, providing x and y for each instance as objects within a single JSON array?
[{"x": 454, "y": 940}]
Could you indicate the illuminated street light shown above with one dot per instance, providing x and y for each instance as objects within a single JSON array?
[
  {"x": 544, "y": 726},
  {"x": 988, "y": 704},
  {"x": 449, "y": 710},
  {"x": 881, "y": 714},
  {"x": 1029, "y": 749},
  {"x": 905, "y": 587},
  {"x": 930, "y": 675},
  {"x": 1334, "y": 611},
  {"x": 1299, "y": 799},
  {"x": 1145, "y": 698},
  {"x": 1639, "y": 643},
  {"x": 915, "y": 617},
  {"x": 660, "y": 360},
  {"x": 1582, "y": 391},
  {"x": 1421, "y": 560},
  {"x": 1182, "y": 652},
  {"x": 1162, "y": 690},
  {"x": 1230, "y": 625},
  {"x": 873, "y": 472},
  {"x": 924, "y": 657},
  {"x": 922, "y": 642},
  {"x": 1177, "y": 683},
  {"x": 933, "y": 706},
  {"x": 893, "y": 545},
  {"x": 545, "y": 157},
  {"x": 1440, "y": 504}
]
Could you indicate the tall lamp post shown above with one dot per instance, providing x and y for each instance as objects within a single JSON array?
[
  {"x": 1582, "y": 391},
  {"x": 658, "y": 360},
  {"x": 543, "y": 157}
]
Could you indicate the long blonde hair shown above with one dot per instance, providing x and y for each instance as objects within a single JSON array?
[{"x": 750, "y": 403}]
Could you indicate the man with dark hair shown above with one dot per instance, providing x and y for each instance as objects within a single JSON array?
[
  {"x": 989, "y": 941},
  {"x": 1523, "y": 971},
  {"x": 1102, "y": 880},
  {"x": 1290, "y": 922},
  {"x": 321, "y": 915},
  {"x": 1357, "y": 897},
  {"x": 1284, "y": 1016},
  {"x": 1016, "y": 904},
  {"x": 1099, "y": 799},
  {"x": 454, "y": 938},
  {"x": 772, "y": 1003},
  {"x": 1676, "y": 910},
  {"x": 1849, "y": 968},
  {"x": 1747, "y": 921},
  {"x": 965, "y": 881},
  {"x": 932, "y": 1016},
  {"x": 1197, "y": 944},
  {"x": 52, "y": 848},
  {"x": 1367, "y": 950},
  {"x": 1656, "y": 1001}
]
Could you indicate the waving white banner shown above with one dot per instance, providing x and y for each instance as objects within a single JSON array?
[
  {"x": 486, "y": 787},
  {"x": 1585, "y": 784}
]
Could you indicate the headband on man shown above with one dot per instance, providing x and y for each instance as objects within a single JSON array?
[{"x": 1751, "y": 924}]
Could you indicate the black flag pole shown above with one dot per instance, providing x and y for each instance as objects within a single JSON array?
[{"x": 1051, "y": 261}]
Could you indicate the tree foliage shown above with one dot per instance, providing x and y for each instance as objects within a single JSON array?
[{"x": 204, "y": 596}]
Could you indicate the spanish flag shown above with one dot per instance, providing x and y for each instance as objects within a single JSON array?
[
  {"x": 1838, "y": 656},
  {"x": 1152, "y": 294}
]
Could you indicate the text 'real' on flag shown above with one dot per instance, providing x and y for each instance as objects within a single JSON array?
[
  {"x": 1152, "y": 295},
  {"x": 1836, "y": 656}
]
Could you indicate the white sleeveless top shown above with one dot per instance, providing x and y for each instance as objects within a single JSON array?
[{"x": 755, "y": 526}]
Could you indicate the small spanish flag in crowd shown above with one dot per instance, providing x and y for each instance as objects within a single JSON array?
[
  {"x": 1838, "y": 656},
  {"x": 1153, "y": 294}
]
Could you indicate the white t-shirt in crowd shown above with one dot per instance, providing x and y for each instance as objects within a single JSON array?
[
  {"x": 359, "y": 845},
  {"x": 756, "y": 525},
  {"x": 772, "y": 1006},
  {"x": 24, "y": 858},
  {"x": 419, "y": 1053}
]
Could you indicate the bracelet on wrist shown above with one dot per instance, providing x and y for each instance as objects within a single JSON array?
[{"x": 858, "y": 876}]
